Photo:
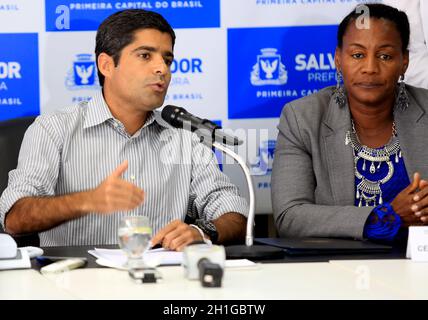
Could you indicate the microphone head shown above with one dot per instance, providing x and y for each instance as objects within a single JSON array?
[
  {"x": 207, "y": 130},
  {"x": 171, "y": 113}
]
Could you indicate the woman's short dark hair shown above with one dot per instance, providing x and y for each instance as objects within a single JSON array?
[
  {"x": 379, "y": 11},
  {"x": 117, "y": 31}
]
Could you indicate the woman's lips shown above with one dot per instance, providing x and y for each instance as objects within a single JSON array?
[{"x": 368, "y": 85}]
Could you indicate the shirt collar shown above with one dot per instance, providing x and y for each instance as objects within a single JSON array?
[
  {"x": 157, "y": 116},
  {"x": 98, "y": 111}
]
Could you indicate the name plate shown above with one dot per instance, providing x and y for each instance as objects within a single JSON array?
[{"x": 417, "y": 244}]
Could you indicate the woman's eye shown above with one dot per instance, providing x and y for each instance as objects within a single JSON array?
[{"x": 385, "y": 57}]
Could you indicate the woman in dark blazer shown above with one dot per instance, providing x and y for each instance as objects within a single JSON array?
[{"x": 351, "y": 160}]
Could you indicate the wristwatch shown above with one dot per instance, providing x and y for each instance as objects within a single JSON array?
[{"x": 208, "y": 228}]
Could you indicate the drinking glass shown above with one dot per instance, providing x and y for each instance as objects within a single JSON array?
[{"x": 134, "y": 234}]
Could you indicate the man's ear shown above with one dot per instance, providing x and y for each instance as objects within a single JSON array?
[
  {"x": 337, "y": 59},
  {"x": 105, "y": 64}
]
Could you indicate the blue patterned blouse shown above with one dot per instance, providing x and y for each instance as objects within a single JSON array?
[{"x": 383, "y": 223}]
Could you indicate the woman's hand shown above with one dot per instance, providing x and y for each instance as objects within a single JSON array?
[
  {"x": 411, "y": 204},
  {"x": 420, "y": 205}
]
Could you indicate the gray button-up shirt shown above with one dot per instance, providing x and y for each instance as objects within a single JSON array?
[{"x": 77, "y": 148}]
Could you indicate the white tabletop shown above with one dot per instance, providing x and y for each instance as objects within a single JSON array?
[
  {"x": 406, "y": 277},
  {"x": 266, "y": 281},
  {"x": 29, "y": 284}
]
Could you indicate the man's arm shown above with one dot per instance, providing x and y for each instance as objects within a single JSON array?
[
  {"x": 231, "y": 228},
  {"x": 34, "y": 214}
]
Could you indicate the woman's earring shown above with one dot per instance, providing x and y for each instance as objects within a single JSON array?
[
  {"x": 402, "y": 99},
  {"x": 339, "y": 92}
]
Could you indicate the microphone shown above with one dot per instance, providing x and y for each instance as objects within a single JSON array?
[{"x": 204, "y": 128}]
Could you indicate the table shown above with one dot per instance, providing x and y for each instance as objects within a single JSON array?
[
  {"x": 295, "y": 278},
  {"x": 408, "y": 278}
]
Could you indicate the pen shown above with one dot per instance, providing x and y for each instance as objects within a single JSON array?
[{"x": 43, "y": 260}]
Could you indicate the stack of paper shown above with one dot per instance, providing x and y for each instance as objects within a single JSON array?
[{"x": 116, "y": 258}]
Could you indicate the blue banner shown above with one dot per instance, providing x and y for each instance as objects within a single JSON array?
[
  {"x": 19, "y": 75},
  {"x": 86, "y": 15},
  {"x": 268, "y": 67}
]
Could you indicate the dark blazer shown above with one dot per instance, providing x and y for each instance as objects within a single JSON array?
[{"x": 313, "y": 182}]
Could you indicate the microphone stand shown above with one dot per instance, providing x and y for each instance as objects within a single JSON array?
[{"x": 249, "y": 250}]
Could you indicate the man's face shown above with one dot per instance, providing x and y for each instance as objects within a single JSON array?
[
  {"x": 142, "y": 76},
  {"x": 371, "y": 61}
]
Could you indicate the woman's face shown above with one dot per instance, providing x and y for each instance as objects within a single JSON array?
[{"x": 371, "y": 61}]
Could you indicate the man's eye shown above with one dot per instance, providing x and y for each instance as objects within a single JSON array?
[
  {"x": 358, "y": 55},
  {"x": 168, "y": 62},
  {"x": 145, "y": 56}
]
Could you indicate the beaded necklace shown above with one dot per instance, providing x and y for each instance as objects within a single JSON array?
[{"x": 367, "y": 190}]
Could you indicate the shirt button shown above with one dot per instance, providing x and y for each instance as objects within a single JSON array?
[{"x": 132, "y": 177}]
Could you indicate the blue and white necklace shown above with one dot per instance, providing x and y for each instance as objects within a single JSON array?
[{"x": 367, "y": 190}]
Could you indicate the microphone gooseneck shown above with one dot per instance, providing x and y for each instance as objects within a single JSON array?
[{"x": 180, "y": 118}]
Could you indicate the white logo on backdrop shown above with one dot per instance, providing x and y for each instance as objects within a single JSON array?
[
  {"x": 83, "y": 74},
  {"x": 262, "y": 164},
  {"x": 269, "y": 70}
]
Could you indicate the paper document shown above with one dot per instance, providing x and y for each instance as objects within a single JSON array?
[
  {"x": 240, "y": 263},
  {"x": 116, "y": 258}
]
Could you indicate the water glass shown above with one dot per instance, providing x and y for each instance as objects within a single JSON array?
[{"x": 134, "y": 234}]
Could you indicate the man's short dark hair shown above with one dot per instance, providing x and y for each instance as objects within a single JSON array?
[
  {"x": 379, "y": 11},
  {"x": 117, "y": 31}
]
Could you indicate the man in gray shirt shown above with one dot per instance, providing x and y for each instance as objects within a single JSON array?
[{"x": 83, "y": 168}]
